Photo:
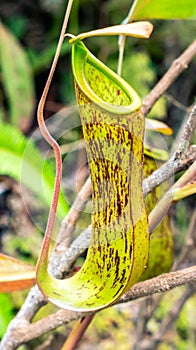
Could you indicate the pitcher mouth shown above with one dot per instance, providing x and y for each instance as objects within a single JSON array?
[{"x": 125, "y": 104}]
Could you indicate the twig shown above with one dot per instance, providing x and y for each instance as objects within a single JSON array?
[
  {"x": 122, "y": 38},
  {"x": 142, "y": 319},
  {"x": 62, "y": 259},
  {"x": 176, "y": 103},
  {"x": 25, "y": 331},
  {"x": 161, "y": 209},
  {"x": 177, "y": 67},
  {"x": 183, "y": 156},
  {"x": 189, "y": 243},
  {"x": 62, "y": 252},
  {"x": 145, "y": 315},
  {"x": 172, "y": 315},
  {"x": 178, "y": 162}
]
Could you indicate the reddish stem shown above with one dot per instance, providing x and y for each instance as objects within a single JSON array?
[
  {"x": 48, "y": 137},
  {"x": 77, "y": 333}
]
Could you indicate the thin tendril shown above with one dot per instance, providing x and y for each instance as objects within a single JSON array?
[
  {"x": 122, "y": 39},
  {"x": 48, "y": 137},
  {"x": 121, "y": 53}
]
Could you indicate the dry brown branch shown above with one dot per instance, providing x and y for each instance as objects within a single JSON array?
[
  {"x": 162, "y": 207},
  {"x": 184, "y": 156},
  {"x": 177, "y": 67},
  {"x": 20, "y": 329}
]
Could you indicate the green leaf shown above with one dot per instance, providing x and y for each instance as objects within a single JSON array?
[
  {"x": 16, "y": 77},
  {"x": 6, "y": 313},
  {"x": 164, "y": 9},
  {"x": 113, "y": 130},
  {"x": 185, "y": 191},
  {"x": 21, "y": 159}
]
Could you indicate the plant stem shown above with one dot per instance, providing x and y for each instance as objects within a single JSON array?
[{"x": 77, "y": 333}]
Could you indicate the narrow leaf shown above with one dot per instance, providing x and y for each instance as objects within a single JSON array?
[
  {"x": 113, "y": 131},
  {"x": 15, "y": 275},
  {"x": 16, "y": 77},
  {"x": 138, "y": 30},
  {"x": 155, "y": 154},
  {"x": 185, "y": 191},
  {"x": 156, "y": 125},
  {"x": 164, "y": 9}
]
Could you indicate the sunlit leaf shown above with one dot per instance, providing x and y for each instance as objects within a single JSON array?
[
  {"x": 113, "y": 131},
  {"x": 6, "y": 314},
  {"x": 16, "y": 77},
  {"x": 164, "y": 9},
  {"x": 15, "y": 275},
  {"x": 21, "y": 159}
]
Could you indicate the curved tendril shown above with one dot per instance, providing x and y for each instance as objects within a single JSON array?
[{"x": 48, "y": 137}]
